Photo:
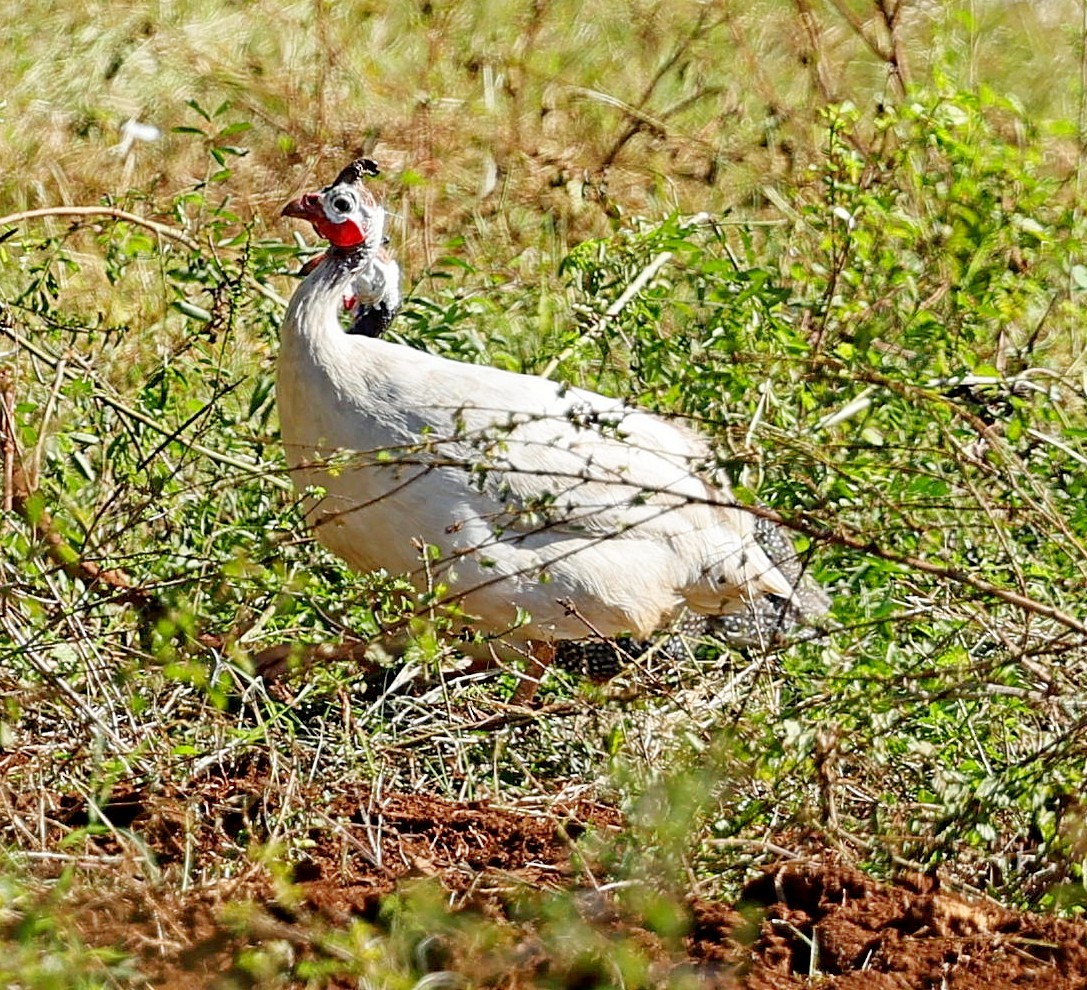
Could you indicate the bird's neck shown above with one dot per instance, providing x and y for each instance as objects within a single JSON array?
[{"x": 317, "y": 304}]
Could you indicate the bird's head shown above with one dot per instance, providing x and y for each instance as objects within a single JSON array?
[{"x": 345, "y": 213}]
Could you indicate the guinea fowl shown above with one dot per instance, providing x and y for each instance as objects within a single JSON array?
[{"x": 548, "y": 514}]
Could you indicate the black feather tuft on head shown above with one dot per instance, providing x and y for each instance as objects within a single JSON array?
[{"x": 356, "y": 170}]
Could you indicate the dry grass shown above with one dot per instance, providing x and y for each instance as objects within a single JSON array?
[{"x": 497, "y": 122}]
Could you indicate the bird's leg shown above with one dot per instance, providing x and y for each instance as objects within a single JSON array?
[{"x": 540, "y": 657}]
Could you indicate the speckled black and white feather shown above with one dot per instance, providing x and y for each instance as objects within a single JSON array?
[
  {"x": 375, "y": 296},
  {"x": 769, "y": 621}
]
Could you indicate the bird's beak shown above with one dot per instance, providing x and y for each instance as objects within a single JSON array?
[{"x": 306, "y": 207}]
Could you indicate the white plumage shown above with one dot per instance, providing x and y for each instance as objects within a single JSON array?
[{"x": 555, "y": 513}]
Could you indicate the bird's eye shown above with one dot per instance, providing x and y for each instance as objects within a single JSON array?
[{"x": 342, "y": 204}]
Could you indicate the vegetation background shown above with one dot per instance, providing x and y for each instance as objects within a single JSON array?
[{"x": 856, "y": 232}]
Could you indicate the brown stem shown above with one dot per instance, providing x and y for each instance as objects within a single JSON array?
[
  {"x": 7, "y": 435},
  {"x": 891, "y": 12}
]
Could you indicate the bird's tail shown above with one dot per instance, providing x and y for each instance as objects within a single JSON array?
[{"x": 783, "y": 613}]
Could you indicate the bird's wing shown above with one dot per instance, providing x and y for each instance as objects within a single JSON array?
[
  {"x": 589, "y": 466},
  {"x": 596, "y": 470}
]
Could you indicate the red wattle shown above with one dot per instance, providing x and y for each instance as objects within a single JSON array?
[{"x": 346, "y": 234}]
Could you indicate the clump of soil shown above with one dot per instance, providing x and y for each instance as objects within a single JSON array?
[
  {"x": 815, "y": 921},
  {"x": 822, "y": 918}
]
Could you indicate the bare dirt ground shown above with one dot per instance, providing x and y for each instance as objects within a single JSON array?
[{"x": 811, "y": 921}]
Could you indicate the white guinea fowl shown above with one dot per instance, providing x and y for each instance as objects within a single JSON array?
[{"x": 553, "y": 513}]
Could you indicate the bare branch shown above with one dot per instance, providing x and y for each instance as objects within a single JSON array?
[
  {"x": 890, "y": 51},
  {"x": 819, "y": 530}
]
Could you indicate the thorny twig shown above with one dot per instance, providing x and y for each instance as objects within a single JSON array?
[
  {"x": 890, "y": 51},
  {"x": 638, "y": 119}
]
